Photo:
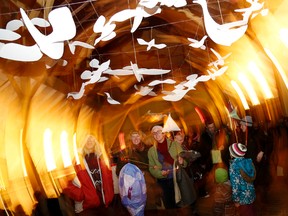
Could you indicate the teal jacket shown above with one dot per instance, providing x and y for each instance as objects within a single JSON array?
[{"x": 155, "y": 167}]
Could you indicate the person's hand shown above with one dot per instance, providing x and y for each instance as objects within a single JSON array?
[
  {"x": 260, "y": 156},
  {"x": 165, "y": 172}
]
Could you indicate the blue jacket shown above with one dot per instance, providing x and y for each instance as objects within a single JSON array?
[{"x": 242, "y": 174}]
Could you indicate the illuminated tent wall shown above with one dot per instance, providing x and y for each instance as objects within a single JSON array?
[{"x": 34, "y": 98}]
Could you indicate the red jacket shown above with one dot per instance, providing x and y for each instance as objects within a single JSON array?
[{"x": 87, "y": 192}]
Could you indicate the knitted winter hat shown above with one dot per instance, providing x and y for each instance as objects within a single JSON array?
[
  {"x": 247, "y": 121},
  {"x": 156, "y": 128},
  {"x": 237, "y": 150},
  {"x": 221, "y": 175}
]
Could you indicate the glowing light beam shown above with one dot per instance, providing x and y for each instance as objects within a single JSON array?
[
  {"x": 65, "y": 149},
  {"x": 48, "y": 151},
  {"x": 240, "y": 94},
  {"x": 249, "y": 88}
]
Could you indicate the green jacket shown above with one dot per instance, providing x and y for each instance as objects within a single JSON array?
[{"x": 174, "y": 149}]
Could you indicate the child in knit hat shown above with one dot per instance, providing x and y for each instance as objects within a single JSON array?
[
  {"x": 242, "y": 175},
  {"x": 223, "y": 204}
]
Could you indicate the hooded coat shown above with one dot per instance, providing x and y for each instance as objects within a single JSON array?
[{"x": 242, "y": 174}]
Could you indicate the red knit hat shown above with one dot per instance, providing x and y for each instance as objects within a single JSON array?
[{"x": 237, "y": 150}]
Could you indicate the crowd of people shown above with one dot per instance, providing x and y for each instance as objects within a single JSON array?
[{"x": 178, "y": 170}]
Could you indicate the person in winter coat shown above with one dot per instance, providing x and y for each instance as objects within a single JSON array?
[
  {"x": 162, "y": 157},
  {"x": 242, "y": 174},
  {"x": 223, "y": 204},
  {"x": 93, "y": 185}
]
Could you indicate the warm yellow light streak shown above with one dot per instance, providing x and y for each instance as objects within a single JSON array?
[
  {"x": 65, "y": 149},
  {"x": 261, "y": 80},
  {"x": 278, "y": 66},
  {"x": 22, "y": 155},
  {"x": 48, "y": 151},
  {"x": 284, "y": 36},
  {"x": 240, "y": 94},
  {"x": 75, "y": 149},
  {"x": 2, "y": 184},
  {"x": 249, "y": 88}
]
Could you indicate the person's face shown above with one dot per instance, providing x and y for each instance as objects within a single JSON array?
[
  {"x": 179, "y": 137},
  {"x": 90, "y": 144},
  {"x": 135, "y": 138},
  {"x": 211, "y": 128},
  {"x": 243, "y": 127},
  {"x": 158, "y": 135}
]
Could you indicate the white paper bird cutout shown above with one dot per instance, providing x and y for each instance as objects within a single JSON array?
[
  {"x": 96, "y": 74},
  {"x": 220, "y": 34},
  {"x": 216, "y": 73},
  {"x": 150, "y": 44},
  {"x": 170, "y": 125},
  {"x": 77, "y": 95},
  {"x": 135, "y": 69},
  {"x": 144, "y": 90},
  {"x": 110, "y": 99},
  {"x": 176, "y": 95},
  {"x": 157, "y": 82},
  {"x": 220, "y": 60},
  {"x": 52, "y": 44},
  {"x": 72, "y": 45},
  {"x": 198, "y": 44}
]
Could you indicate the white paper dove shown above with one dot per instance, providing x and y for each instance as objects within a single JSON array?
[
  {"x": 77, "y": 95},
  {"x": 220, "y": 60},
  {"x": 110, "y": 99},
  {"x": 220, "y": 34},
  {"x": 144, "y": 90},
  {"x": 198, "y": 44},
  {"x": 150, "y": 44},
  {"x": 52, "y": 44}
]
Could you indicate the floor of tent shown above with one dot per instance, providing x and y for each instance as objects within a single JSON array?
[{"x": 276, "y": 204}]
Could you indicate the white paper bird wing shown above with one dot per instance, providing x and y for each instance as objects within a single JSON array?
[
  {"x": 142, "y": 42},
  {"x": 136, "y": 72},
  {"x": 180, "y": 3},
  {"x": 149, "y": 3},
  {"x": 24, "y": 53},
  {"x": 110, "y": 99},
  {"x": 87, "y": 74},
  {"x": 144, "y": 90},
  {"x": 146, "y": 71},
  {"x": 14, "y": 25},
  {"x": 160, "y": 46},
  {"x": 203, "y": 78},
  {"x": 137, "y": 19},
  {"x": 192, "y": 77},
  {"x": 221, "y": 71},
  {"x": 216, "y": 53},
  {"x": 8, "y": 35},
  {"x": 72, "y": 45},
  {"x": 156, "y": 82},
  {"x": 102, "y": 79},
  {"x": 123, "y": 15},
  {"x": 119, "y": 72},
  {"x": 99, "y": 24},
  {"x": 77, "y": 95},
  {"x": 94, "y": 63},
  {"x": 178, "y": 95},
  {"x": 40, "y": 22}
]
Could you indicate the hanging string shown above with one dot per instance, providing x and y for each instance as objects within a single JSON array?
[
  {"x": 132, "y": 34},
  {"x": 220, "y": 11}
]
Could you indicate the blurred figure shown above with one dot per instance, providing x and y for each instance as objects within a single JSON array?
[
  {"x": 162, "y": 157},
  {"x": 223, "y": 204},
  {"x": 137, "y": 154},
  {"x": 242, "y": 175},
  {"x": 93, "y": 185}
]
